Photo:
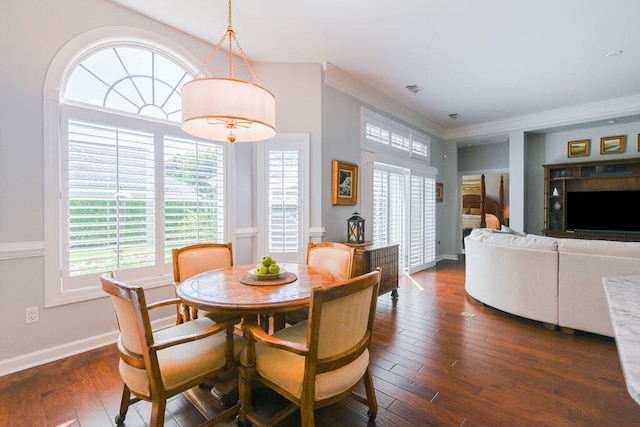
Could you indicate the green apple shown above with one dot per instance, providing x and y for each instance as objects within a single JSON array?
[
  {"x": 274, "y": 269},
  {"x": 266, "y": 260},
  {"x": 262, "y": 270}
]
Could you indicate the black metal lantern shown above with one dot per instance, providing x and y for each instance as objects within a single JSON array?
[{"x": 355, "y": 229}]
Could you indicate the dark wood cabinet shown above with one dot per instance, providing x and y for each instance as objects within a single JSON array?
[
  {"x": 370, "y": 256},
  {"x": 605, "y": 175}
]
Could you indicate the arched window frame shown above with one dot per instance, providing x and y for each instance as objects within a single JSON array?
[{"x": 76, "y": 50}]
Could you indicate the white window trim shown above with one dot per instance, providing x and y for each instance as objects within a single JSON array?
[{"x": 62, "y": 64}]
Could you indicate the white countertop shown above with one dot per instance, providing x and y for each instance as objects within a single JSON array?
[{"x": 623, "y": 296}]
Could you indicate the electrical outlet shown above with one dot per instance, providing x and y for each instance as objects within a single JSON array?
[{"x": 32, "y": 315}]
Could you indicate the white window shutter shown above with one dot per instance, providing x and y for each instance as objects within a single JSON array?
[
  {"x": 283, "y": 202},
  {"x": 111, "y": 204},
  {"x": 194, "y": 193}
]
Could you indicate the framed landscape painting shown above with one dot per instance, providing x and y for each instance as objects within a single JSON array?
[
  {"x": 579, "y": 148},
  {"x": 612, "y": 144},
  {"x": 344, "y": 185}
]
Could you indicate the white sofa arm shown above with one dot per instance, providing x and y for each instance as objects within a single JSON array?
[{"x": 514, "y": 274}]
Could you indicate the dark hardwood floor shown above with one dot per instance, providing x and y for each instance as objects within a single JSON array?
[{"x": 438, "y": 358}]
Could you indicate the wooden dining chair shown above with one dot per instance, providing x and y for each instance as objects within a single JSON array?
[
  {"x": 156, "y": 365},
  {"x": 334, "y": 256},
  {"x": 316, "y": 362},
  {"x": 195, "y": 259}
]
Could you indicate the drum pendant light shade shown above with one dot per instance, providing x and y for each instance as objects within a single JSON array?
[
  {"x": 215, "y": 108},
  {"x": 227, "y": 109}
]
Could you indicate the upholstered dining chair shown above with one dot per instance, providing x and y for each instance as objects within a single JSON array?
[
  {"x": 195, "y": 259},
  {"x": 319, "y": 361},
  {"x": 156, "y": 365},
  {"x": 334, "y": 256}
]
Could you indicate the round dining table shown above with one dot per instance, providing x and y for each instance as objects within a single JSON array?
[{"x": 235, "y": 290}]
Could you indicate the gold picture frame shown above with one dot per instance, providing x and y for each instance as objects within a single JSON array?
[
  {"x": 344, "y": 183},
  {"x": 639, "y": 142},
  {"x": 612, "y": 144},
  {"x": 578, "y": 148},
  {"x": 439, "y": 192}
]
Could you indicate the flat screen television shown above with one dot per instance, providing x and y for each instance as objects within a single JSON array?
[{"x": 603, "y": 211}]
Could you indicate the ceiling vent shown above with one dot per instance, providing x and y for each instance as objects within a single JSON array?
[{"x": 413, "y": 88}]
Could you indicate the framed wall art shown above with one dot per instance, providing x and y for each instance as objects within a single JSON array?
[
  {"x": 578, "y": 148},
  {"x": 439, "y": 192},
  {"x": 344, "y": 185},
  {"x": 612, "y": 144},
  {"x": 470, "y": 186}
]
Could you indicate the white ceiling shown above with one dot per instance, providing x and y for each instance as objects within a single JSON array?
[{"x": 485, "y": 60}]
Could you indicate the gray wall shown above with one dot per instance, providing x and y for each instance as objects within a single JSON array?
[{"x": 483, "y": 158}]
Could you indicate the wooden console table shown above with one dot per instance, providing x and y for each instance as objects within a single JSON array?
[{"x": 369, "y": 256}]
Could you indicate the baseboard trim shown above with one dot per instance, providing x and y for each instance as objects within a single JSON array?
[
  {"x": 447, "y": 256},
  {"x": 41, "y": 357}
]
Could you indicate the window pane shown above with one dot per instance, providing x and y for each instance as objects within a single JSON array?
[
  {"x": 133, "y": 80},
  {"x": 377, "y": 134},
  {"x": 283, "y": 201},
  {"x": 420, "y": 147},
  {"x": 111, "y": 198},
  {"x": 400, "y": 139},
  {"x": 390, "y": 207},
  {"x": 194, "y": 193}
]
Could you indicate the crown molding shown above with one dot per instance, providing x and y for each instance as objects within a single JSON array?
[
  {"x": 345, "y": 82},
  {"x": 547, "y": 120}
]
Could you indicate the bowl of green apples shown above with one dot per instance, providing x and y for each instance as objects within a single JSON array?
[{"x": 267, "y": 269}]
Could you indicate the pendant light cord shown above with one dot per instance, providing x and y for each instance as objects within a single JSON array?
[{"x": 229, "y": 32}]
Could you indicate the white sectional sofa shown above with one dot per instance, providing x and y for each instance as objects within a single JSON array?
[{"x": 551, "y": 280}]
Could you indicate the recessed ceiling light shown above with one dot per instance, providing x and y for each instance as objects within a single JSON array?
[
  {"x": 612, "y": 122},
  {"x": 413, "y": 88},
  {"x": 614, "y": 53}
]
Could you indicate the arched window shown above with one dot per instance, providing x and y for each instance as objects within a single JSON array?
[
  {"x": 131, "y": 80},
  {"x": 133, "y": 185}
]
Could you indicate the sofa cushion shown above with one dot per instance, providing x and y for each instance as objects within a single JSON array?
[
  {"x": 530, "y": 241},
  {"x": 600, "y": 247}
]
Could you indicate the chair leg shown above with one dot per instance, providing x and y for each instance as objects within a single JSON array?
[
  {"x": 307, "y": 415},
  {"x": 124, "y": 405},
  {"x": 371, "y": 395},
  {"x": 244, "y": 386},
  {"x": 179, "y": 317},
  {"x": 158, "y": 408}
]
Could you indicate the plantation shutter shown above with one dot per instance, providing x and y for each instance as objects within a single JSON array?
[
  {"x": 110, "y": 202},
  {"x": 390, "y": 208},
  {"x": 422, "y": 248},
  {"x": 194, "y": 205},
  {"x": 283, "y": 203}
]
